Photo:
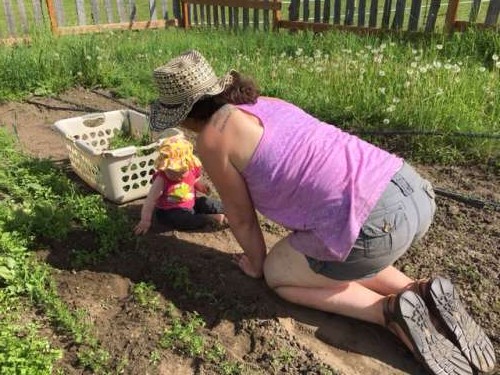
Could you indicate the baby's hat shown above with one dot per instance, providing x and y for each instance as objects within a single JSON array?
[{"x": 176, "y": 154}]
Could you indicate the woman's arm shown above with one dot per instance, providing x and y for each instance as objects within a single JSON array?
[
  {"x": 214, "y": 147},
  {"x": 154, "y": 193}
]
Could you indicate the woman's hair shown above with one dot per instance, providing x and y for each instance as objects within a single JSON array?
[{"x": 243, "y": 90}]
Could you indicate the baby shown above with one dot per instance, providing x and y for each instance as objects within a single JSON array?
[{"x": 172, "y": 196}]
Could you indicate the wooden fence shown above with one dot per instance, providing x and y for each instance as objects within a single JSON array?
[{"x": 20, "y": 18}]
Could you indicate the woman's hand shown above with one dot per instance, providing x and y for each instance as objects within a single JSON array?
[
  {"x": 142, "y": 227},
  {"x": 246, "y": 266}
]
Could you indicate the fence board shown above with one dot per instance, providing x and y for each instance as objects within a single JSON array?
[
  {"x": 122, "y": 13},
  {"x": 492, "y": 13},
  {"x": 326, "y": 11},
  {"x": 11, "y": 26},
  {"x": 474, "y": 10},
  {"x": 305, "y": 10},
  {"x": 37, "y": 11},
  {"x": 109, "y": 10},
  {"x": 202, "y": 15},
  {"x": 216, "y": 15},
  {"x": 22, "y": 16},
  {"x": 265, "y": 13},
  {"x": 397, "y": 22},
  {"x": 176, "y": 9},
  {"x": 386, "y": 13},
  {"x": 256, "y": 19},
  {"x": 208, "y": 11},
  {"x": 80, "y": 12},
  {"x": 59, "y": 12},
  {"x": 336, "y": 12},
  {"x": 361, "y": 13},
  {"x": 94, "y": 11},
  {"x": 317, "y": 11},
  {"x": 133, "y": 11},
  {"x": 246, "y": 18},
  {"x": 432, "y": 15},
  {"x": 373, "y": 13},
  {"x": 416, "y": 5},
  {"x": 293, "y": 10},
  {"x": 349, "y": 13}
]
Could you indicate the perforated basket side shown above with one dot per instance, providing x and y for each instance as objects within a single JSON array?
[
  {"x": 86, "y": 166},
  {"x": 127, "y": 178}
]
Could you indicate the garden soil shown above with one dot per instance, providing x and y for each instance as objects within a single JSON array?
[{"x": 256, "y": 328}]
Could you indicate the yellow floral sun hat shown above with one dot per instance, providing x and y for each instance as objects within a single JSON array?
[{"x": 176, "y": 154}]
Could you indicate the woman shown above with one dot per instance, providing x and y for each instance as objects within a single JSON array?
[{"x": 353, "y": 210}]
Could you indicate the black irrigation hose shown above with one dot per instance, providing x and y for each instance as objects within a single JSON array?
[
  {"x": 135, "y": 108},
  {"x": 426, "y": 133},
  {"x": 471, "y": 201}
]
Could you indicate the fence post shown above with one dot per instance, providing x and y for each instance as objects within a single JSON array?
[
  {"x": 276, "y": 15},
  {"x": 185, "y": 14},
  {"x": 451, "y": 16},
  {"x": 52, "y": 15}
]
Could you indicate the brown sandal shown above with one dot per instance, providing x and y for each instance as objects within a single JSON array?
[
  {"x": 408, "y": 318},
  {"x": 455, "y": 323}
]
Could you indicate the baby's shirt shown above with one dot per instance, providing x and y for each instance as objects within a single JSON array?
[{"x": 178, "y": 194}]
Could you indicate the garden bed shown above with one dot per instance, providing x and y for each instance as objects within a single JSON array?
[{"x": 257, "y": 329}]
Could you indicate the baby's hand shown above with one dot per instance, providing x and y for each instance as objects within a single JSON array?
[
  {"x": 142, "y": 227},
  {"x": 202, "y": 188}
]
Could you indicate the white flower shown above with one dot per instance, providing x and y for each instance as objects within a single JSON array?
[
  {"x": 497, "y": 65},
  {"x": 439, "y": 46},
  {"x": 482, "y": 69},
  {"x": 88, "y": 57},
  {"x": 391, "y": 108},
  {"x": 407, "y": 84},
  {"x": 381, "y": 73},
  {"x": 494, "y": 57},
  {"x": 396, "y": 100},
  {"x": 440, "y": 91},
  {"x": 381, "y": 90},
  {"x": 299, "y": 51},
  {"x": 386, "y": 121}
]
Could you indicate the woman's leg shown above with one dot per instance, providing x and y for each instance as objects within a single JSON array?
[
  {"x": 289, "y": 275},
  {"x": 388, "y": 281}
]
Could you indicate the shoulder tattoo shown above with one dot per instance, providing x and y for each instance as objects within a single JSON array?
[{"x": 224, "y": 114}]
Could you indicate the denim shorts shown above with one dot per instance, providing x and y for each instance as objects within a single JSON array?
[{"x": 402, "y": 215}]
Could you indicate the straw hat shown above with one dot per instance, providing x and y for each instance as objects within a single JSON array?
[
  {"x": 182, "y": 82},
  {"x": 176, "y": 154}
]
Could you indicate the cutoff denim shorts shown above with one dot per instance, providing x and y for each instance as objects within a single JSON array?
[{"x": 402, "y": 215}]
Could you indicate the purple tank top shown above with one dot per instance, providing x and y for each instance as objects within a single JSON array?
[{"x": 314, "y": 179}]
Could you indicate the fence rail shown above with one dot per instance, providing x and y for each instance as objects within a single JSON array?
[{"x": 20, "y": 18}]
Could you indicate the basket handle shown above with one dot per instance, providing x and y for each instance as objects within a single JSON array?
[
  {"x": 93, "y": 120},
  {"x": 130, "y": 150},
  {"x": 85, "y": 147}
]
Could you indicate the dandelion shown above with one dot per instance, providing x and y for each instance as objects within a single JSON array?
[
  {"x": 290, "y": 71},
  {"x": 440, "y": 91},
  {"x": 414, "y": 51},
  {"x": 494, "y": 57},
  {"x": 423, "y": 69},
  {"x": 79, "y": 74},
  {"x": 391, "y": 108},
  {"x": 396, "y": 100},
  {"x": 482, "y": 69},
  {"x": 497, "y": 65},
  {"x": 381, "y": 90},
  {"x": 407, "y": 84},
  {"x": 377, "y": 58},
  {"x": 439, "y": 47},
  {"x": 299, "y": 51},
  {"x": 386, "y": 121},
  {"x": 413, "y": 64},
  {"x": 437, "y": 64},
  {"x": 381, "y": 73},
  {"x": 88, "y": 57}
]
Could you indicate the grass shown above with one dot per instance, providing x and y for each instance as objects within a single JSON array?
[{"x": 433, "y": 84}]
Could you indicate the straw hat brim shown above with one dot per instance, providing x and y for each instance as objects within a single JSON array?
[{"x": 163, "y": 116}]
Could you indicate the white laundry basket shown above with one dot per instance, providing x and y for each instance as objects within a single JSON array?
[{"x": 122, "y": 174}]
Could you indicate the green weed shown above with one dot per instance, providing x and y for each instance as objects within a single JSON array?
[{"x": 145, "y": 295}]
